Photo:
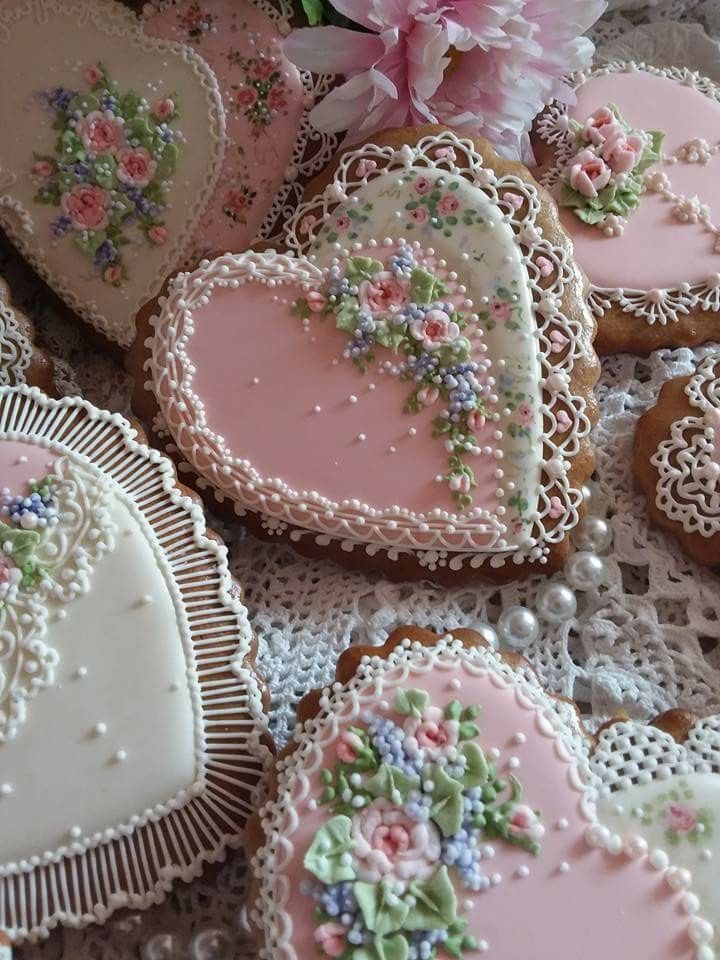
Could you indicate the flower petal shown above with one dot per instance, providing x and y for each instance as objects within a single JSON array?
[{"x": 333, "y": 49}]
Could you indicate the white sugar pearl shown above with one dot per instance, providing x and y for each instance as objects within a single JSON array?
[
  {"x": 518, "y": 627},
  {"x": 556, "y": 602}
]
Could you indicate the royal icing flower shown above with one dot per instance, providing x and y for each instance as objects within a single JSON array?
[
  {"x": 500, "y": 310},
  {"x": 245, "y": 97},
  {"x": 93, "y": 74},
  {"x": 433, "y": 734},
  {"x": 589, "y": 173},
  {"x": 158, "y": 235},
  {"x": 113, "y": 276},
  {"x": 448, "y": 204},
  {"x": 348, "y": 747},
  {"x": 365, "y": 167},
  {"x": 383, "y": 294},
  {"x": 556, "y": 508},
  {"x": 428, "y": 395},
  {"x": 526, "y": 823},
  {"x": 598, "y": 125},
  {"x": 316, "y": 301},
  {"x": 460, "y": 483},
  {"x": 681, "y": 819},
  {"x": 43, "y": 168},
  {"x": 434, "y": 329},
  {"x": 389, "y": 845},
  {"x": 525, "y": 414},
  {"x": 87, "y": 206},
  {"x": 135, "y": 166},
  {"x": 10, "y": 577},
  {"x": 622, "y": 151},
  {"x": 101, "y": 132},
  {"x": 330, "y": 937},
  {"x": 419, "y": 215},
  {"x": 163, "y": 108},
  {"x": 423, "y": 186},
  {"x": 343, "y": 222},
  {"x": 277, "y": 98},
  {"x": 263, "y": 68}
]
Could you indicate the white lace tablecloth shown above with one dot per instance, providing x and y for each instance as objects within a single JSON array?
[{"x": 646, "y": 641}]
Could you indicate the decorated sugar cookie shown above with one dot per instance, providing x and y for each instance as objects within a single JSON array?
[
  {"x": 20, "y": 360},
  {"x": 407, "y": 397},
  {"x": 668, "y": 794},
  {"x": 112, "y": 149},
  {"x": 634, "y": 166},
  {"x": 433, "y": 803},
  {"x": 677, "y": 460},
  {"x": 271, "y": 149},
  {"x": 123, "y": 677}
]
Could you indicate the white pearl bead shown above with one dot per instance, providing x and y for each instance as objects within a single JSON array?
[
  {"x": 162, "y": 946},
  {"x": 594, "y": 533},
  {"x": 211, "y": 944},
  {"x": 488, "y": 633},
  {"x": 585, "y": 570},
  {"x": 518, "y": 627},
  {"x": 556, "y": 602}
]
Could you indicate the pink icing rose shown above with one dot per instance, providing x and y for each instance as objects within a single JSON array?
[
  {"x": 93, "y": 74},
  {"x": 681, "y": 819},
  {"x": 136, "y": 166},
  {"x": 365, "y": 167},
  {"x": 598, "y": 124},
  {"x": 622, "y": 152},
  {"x": 514, "y": 199},
  {"x": 306, "y": 223},
  {"x": 445, "y": 153},
  {"x": 316, "y": 301},
  {"x": 432, "y": 733},
  {"x": 385, "y": 293},
  {"x": 556, "y": 507},
  {"x": 460, "y": 483},
  {"x": 524, "y": 822},
  {"x": 245, "y": 97},
  {"x": 475, "y": 420},
  {"x": 277, "y": 98},
  {"x": 428, "y": 395},
  {"x": 343, "y": 223},
  {"x": 158, "y": 235},
  {"x": 163, "y": 108},
  {"x": 263, "y": 69},
  {"x": 544, "y": 266},
  {"x": 389, "y": 845},
  {"x": 419, "y": 215},
  {"x": 434, "y": 329},
  {"x": 525, "y": 414},
  {"x": 87, "y": 206},
  {"x": 423, "y": 185},
  {"x": 348, "y": 747},
  {"x": 500, "y": 310},
  {"x": 101, "y": 132},
  {"x": 43, "y": 168},
  {"x": 330, "y": 937},
  {"x": 448, "y": 204},
  {"x": 588, "y": 173},
  {"x": 113, "y": 276}
]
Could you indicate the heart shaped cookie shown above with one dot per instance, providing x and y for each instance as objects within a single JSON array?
[
  {"x": 123, "y": 688},
  {"x": 636, "y": 156},
  {"x": 272, "y": 150},
  {"x": 434, "y": 803},
  {"x": 424, "y": 431},
  {"x": 20, "y": 360},
  {"x": 113, "y": 149}
]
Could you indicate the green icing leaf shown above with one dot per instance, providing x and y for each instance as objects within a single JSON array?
[
  {"x": 139, "y": 129},
  {"x": 476, "y": 767},
  {"x": 424, "y": 287},
  {"x": 361, "y": 268},
  {"x": 411, "y": 703},
  {"x": 84, "y": 102},
  {"x": 383, "y": 911},
  {"x": 104, "y": 171},
  {"x": 453, "y": 711},
  {"x": 391, "y": 783},
  {"x": 346, "y": 316},
  {"x": 469, "y": 730},
  {"x": 129, "y": 105},
  {"x": 394, "y": 947},
  {"x": 327, "y": 857},
  {"x": 435, "y": 903},
  {"x": 447, "y": 802},
  {"x": 167, "y": 162}
]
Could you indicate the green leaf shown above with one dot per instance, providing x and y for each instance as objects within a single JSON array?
[
  {"x": 327, "y": 857},
  {"x": 411, "y": 703},
  {"x": 391, "y": 783},
  {"x": 394, "y": 947},
  {"x": 590, "y": 216},
  {"x": 383, "y": 911},
  {"x": 435, "y": 903},
  {"x": 167, "y": 162},
  {"x": 313, "y": 10},
  {"x": 346, "y": 315},
  {"x": 477, "y": 769},
  {"x": 447, "y": 802},
  {"x": 423, "y": 286},
  {"x": 71, "y": 146},
  {"x": 469, "y": 730},
  {"x": 453, "y": 711},
  {"x": 84, "y": 102},
  {"x": 361, "y": 268},
  {"x": 104, "y": 170},
  {"x": 139, "y": 129},
  {"x": 90, "y": 241},
  {"x": 129, "y": 105}
]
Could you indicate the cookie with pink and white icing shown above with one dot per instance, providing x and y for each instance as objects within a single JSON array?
[
  {"x": 677, "y": 460},
  {"x": 634, "y": 166},
  {"x": 125, "y": 673},
  {"x": 21, "y": 361},
  {"x": 434, "y": 802},
  {"x": 271, "y": 150},
  {"x": 396, "y": 395}
]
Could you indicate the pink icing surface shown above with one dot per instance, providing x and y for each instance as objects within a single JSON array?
[
  {"x": 655, "y": 250},
  {"x": 243, "y": 334},
  {"x": 256, "y": 157},
  {"x": 21, "y": 462},
  {"x": 604, "y": 906}
]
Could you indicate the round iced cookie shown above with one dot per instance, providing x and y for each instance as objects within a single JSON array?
[
  {"x": 20, "y": 360},
  {"x": 123, "y": 673},
  {"x": 634, "y": 166},
  {"x": 677, "y": 460},
  {"x": 426, "y": 433},
  {"x": 432, "y": 803}
]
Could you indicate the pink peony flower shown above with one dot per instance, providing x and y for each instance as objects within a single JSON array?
[
  {"x": 136, "y": 166},
  {"x": 43, "y": 168},
  {"x": 525, "y": 822},
  {"x": 680, "y": 818},
  {"x": 448, "y": 204},
  {"x": 500, "y": 310},
  {"x": 598, "y": 124},
  {"x": 348, "y": 747},
  {"x": 389, "y": 845},
  {"x": 330, "y": 937},
  {"x": 525, "y": 414},
  {"x": 277, "y": 98},
  {"x": 432, "y": 733},
  {"x": 316, "y": 301},
  {"x": 87, "y": 206},
  {"x": 163, "y": 108},
  {"x": 158, "y": 235},
  {"x": 113, "y": 275},
  {"x": 588, "y": 173},
  {"x": 385, "y": 293},
  {"x": 101, "y": 132},
  {"x": 419, "y": 215},
  {"x": 622, "y": 152},
  {"x": 422, "y": 185},
  {"x": 245, "y": 97},
  {"x": 487, "y": 67},
  {"x": 434, "y": 329},
  {"x": 93, "y": 74}
]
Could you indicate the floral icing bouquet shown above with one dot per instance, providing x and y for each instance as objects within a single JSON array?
[
  {"x": 20, "y": 568},
  {"x": 415, "y": 808}
]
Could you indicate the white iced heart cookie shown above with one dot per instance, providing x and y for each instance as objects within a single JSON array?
[
  {"x": 112, "y": 148},
  {"x": 122, "y": 674}
]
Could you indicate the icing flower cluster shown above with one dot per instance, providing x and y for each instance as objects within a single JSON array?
[
  {"x": 262, "y": 92},
  {"x": 603, "y": 181},
  {"x": 20, "y": 567},
  {"x": 412, "y": 800},
  {"x": 114, "y": 156},
  {"x": 676, "y": 809},
  {"x": 405, "y": 307},
  {"x": 196, "y": 22}
]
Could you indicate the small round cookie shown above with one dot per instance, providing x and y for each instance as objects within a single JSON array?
[
  {"x": 634, "y": 165},
  {"x": 20, "y": 360},
  {"x": 433, "y": 803},
  {"x": 677, "y": 460}
]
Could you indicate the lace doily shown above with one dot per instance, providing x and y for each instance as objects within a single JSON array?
[{"x": 647, "y": 641}]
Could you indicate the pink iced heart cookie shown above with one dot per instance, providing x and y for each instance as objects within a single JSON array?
[
  {"x": 388, "y": 400},
  {"x": 435, "y": 795},
  {"x": 113, "y": 147},
  {"x": 271, "y": 152},
  {"x": 637, "y": 157}
]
